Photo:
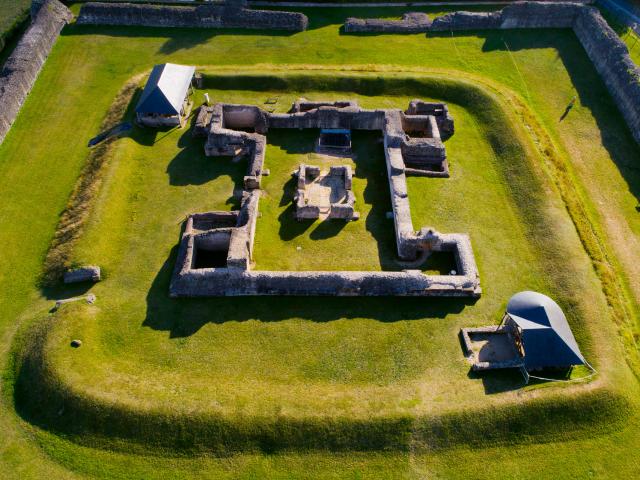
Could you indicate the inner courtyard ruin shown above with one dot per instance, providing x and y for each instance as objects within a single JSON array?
[{"x": 216, "y": 248}]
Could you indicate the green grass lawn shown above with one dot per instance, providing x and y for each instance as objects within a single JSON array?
[
  {"x": 362, "y": 356},
  {"x": 275, "y": 348},
  {"x": 12, "y": 12}
]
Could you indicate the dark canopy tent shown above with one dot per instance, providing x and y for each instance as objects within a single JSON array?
[
  {"x": 166, "y": 90},
  {"x": 546, "y": 337}
]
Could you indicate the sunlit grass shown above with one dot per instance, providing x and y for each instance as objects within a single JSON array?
[{"x": 44, "y": 150}]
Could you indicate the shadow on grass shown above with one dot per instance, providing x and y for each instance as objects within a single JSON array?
[
  {"x": 291, "y": 228},
  {"x": 294, "y": 142},
  {"x": 591, "y": 92},
  {"x": 61, "y": 291},
  {"x": 176, "y": 38},
  {"x": 327, "y": 229},
  {"x": 192, "y": 167},
  {"x": 183, "y": 317},
  {"x": 370, "y": 165},
  {"x": 499, "y": 381}
]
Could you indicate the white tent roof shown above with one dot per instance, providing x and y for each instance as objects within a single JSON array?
[{"x": 166, "y": 89}]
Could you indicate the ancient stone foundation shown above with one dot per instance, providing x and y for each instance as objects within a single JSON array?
[
  {"x": 214, "y": 258},
  {"x": 23, "y": 66},
  {"x": 199, "y": 16},
  {"x": 324, "y": 195},
  {"x": 604, "y": 47}
]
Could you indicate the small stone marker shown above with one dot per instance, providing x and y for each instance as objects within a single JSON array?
[
  {"x": 89, "y": 273},
  {"x": 76, "y": 343},
  {"x": 90, "y": 299}
]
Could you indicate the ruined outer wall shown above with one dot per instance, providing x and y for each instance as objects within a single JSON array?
[
  {"x": 611, "y": 59},
  {"x": 217, "y": 282},
  {"x": 23, "y": 66},
  {"x": 539, "y": 15},
  {"x": 202, "y": 16},
  {"x": 414, "y": 22},
  {"x": 517, "y": 15},
  {"x": 606, "y": 50}
]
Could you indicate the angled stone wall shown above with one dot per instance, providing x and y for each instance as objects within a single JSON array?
[
  {"x": 23, "y": 66},
  {"x": 611, "y": 59},
  {"x": 604, "y": 47},
  {"x": 199, "y": 16}
]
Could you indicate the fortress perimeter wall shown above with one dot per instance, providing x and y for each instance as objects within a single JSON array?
[
  {"x": 23, "y": 66},
  {"x": 199, "y": 16},
  {"x": 607, "y": 51},
  {"x": 611, "y": 59}
]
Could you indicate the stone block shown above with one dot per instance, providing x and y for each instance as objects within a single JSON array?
[{"x": 88, "y": 273}]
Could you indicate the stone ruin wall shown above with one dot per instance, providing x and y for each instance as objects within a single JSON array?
[
  {"x": 239, "y": 279},
  {"x": 21, "y": 69},
  {"x": 604, "y": 47},
  {"x": 199, "y": 16},
  {"x": 414, "y": 22}
]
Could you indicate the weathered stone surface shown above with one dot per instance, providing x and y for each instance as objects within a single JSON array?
[
  {"x": 539, "y": 15},
  {"x": 413, "y": 22},
  {"x": 200, "y": 16},
  {"x": 203, "y": 119},
  {"x": 89, "y": 273},
  {"x": 466, "y": 21},
  {"x": 23, "y": 66}
]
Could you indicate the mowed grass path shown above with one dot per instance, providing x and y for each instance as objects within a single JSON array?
[{"x": 55, "y": 158}]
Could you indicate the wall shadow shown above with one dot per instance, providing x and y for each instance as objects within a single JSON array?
[
  {"x": 291, "y": 228},
  {"x": 62, "y": 291},
  {"x": 499, "y": 381},
  {"x": 327, "y": 229},
  {"x": 371, "y": 166},
  {"x": 182, "y": 317},
  {"x": 176, "y": 38},
  {"x": 591, "y": 92},
  {"x": 303, "y": 141},
  {"x": 192, "y": 167}
]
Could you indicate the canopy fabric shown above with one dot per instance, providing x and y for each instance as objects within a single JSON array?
[
  {"x": 546, "y": 336},
  {"x": 166, "y": 89}
]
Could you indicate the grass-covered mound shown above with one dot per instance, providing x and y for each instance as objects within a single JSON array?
[{"x": 273, "y": 373}]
